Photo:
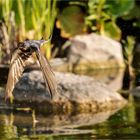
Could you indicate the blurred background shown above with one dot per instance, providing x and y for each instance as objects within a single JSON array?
[
  {"x": 29, "y": 19},
  {"x": 98, "y": 38}
]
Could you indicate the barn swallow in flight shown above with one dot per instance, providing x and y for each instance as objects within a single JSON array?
[{"x": 20, "y": 59}]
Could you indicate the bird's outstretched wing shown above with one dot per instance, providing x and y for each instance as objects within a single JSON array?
[
  {"x": 15, "y": 71},
  {"x": 48, "y": 74}
]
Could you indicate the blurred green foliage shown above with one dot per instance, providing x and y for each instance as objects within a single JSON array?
[
  {"x": 128, "y": 51},
  {"x": 33, "y": 15},
  {"x": 34, "y": 18},
  {"x": 71, "y": 21},
  {"x": 99, "y": 16},
  {"x": 102, "y": 15}
]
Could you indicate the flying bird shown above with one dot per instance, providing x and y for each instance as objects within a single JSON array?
[{"x": 19, "y": 60}]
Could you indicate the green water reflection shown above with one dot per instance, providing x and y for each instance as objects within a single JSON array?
[{"x": 125, "y": 124}]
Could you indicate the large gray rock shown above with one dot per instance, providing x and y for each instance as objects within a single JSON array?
[
  {"x": 75, "y": 92},
  {"x": 95, "y": 51}
]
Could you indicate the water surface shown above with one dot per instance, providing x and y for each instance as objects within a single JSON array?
[{"x": 26, "y": 124}]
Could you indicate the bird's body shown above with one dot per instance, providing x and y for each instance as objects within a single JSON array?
[{"x": 20, "y": 59}]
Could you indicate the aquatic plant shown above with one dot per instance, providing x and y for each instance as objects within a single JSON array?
[
  {"x": 33, "y": 19},
  {"x": 102, "y": 15},
  {"x": 96, "y": 15},
  {"x": 128, "y": 54}
]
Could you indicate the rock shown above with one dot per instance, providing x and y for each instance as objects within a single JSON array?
[
  {"x": 75, "y": 93},
  {"x": 93, "y": 51},
  {"x": 111, "y": 77},
  {"x": 60, "y": 64}
]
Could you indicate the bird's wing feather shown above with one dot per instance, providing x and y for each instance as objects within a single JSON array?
[
  {"x": 48, "y": 74},
  {"x": 15, "y": 71}
]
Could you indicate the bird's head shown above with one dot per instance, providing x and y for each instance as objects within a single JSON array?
[{"x": 31, "y": 45}]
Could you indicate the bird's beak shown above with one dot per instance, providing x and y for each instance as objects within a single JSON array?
[{"x": 43, "y": 42}]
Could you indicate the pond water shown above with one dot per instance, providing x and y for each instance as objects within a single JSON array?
[
  {"x": 28, "y": 124},
  {"x": 125, "y": 124}
]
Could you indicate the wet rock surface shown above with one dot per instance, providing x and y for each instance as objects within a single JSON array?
[{"x": 76, "y": 93}]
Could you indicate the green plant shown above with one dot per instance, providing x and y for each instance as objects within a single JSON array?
[
  {"x": 43, "y": 20},
  {"x": 99, "y": 16},
  {"x": 128, "y": 49},
  {"x": 102, "y": 15},
  {"x": 128, "y": 53},
  {"x": 34, "y": 19}
]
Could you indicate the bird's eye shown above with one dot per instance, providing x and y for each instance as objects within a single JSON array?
[{"x": 34, "y": 47}]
